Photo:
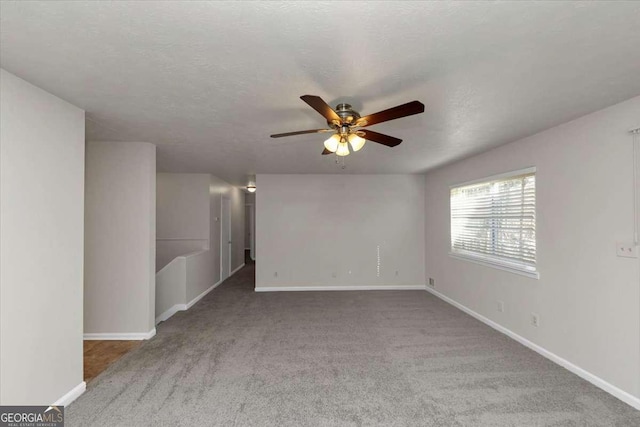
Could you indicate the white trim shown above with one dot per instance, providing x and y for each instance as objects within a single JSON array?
[
  {"x": 202, "y": 295},
  {"x": 339, "y": 288},
  {"x": 496, "y": 177},
  {"x": 593, "y": 379},
  {"x": 183, "y": 307},
  {"x": 125, "y": 336},
  {"x": 71, "y": 395},
  {"x": 228, "y": 243},
  {"x": 170, "y": 312},
  {"x": 252, "y": 230},
  {"x": 496, "y": 264},
  {"x": 236, "y": 270}
]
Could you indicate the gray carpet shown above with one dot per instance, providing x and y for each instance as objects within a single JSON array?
[{"x": 387, "y": 358}]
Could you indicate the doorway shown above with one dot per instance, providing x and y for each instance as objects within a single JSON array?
[
  {"x": 250, "y": 231},
  {"x": 225, "y": 238}
]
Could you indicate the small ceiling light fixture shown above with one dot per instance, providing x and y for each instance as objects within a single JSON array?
[{"x": 251, "y": 188}]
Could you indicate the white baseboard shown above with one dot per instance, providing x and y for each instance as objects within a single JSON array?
[
  {"x": 72, "y": 395},
  {"x": 182, "y": 307},
  {"x": 593, "y": 379},
  {"x": 202, "y": 295},
  {"x": 236, "y": 270},
  {"x": 126, "y": 336},
  {"x": 338, "y": 288},
  {"x": 170, "y": 312}
]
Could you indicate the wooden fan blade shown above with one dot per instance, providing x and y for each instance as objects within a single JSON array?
[
  {"x": 301, "y": 132},
  {"x": 380, "y": 138},
  {"x": 321, "y": 107},
  {"x": 325, "y": 152},
  {"x": 404, "y": 110}
]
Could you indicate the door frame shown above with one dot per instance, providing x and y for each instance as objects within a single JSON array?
[
  {"x": 222, "y": 241},
  {"x": 251, "y": 209}
]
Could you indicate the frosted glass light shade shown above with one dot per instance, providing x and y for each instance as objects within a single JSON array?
[
  {"x": 343, "y": 149},
  {"x": 331, "y": 144},
  {"x": 356, "y": 142},
  {"x": 251, "y": 188}
]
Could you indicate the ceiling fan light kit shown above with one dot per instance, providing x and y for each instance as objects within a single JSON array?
[
  {"x": 356, "y": 142},
  {"x": 346, "y": 125},
  {"x": 339, "y": 143}
]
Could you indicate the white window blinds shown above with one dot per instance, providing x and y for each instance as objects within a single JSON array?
[{"x": 495, "y": 221}]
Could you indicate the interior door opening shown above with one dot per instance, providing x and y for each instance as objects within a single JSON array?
[
  {"x": 250, "y": 231},
  {"x": 225, "y": 238}
]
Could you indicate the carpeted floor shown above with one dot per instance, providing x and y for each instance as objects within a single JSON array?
[{"x": 387, "y": 358}]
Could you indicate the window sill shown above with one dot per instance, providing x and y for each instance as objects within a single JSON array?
[{"x": 496, "y": 265}]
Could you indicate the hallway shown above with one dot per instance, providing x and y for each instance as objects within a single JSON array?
[{"x": 400, "y": 358}]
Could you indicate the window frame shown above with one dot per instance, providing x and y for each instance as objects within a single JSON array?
[{"x": 478, "y": 258}]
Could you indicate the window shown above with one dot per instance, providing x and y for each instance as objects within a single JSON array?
[{"x": 493, "y": 222}]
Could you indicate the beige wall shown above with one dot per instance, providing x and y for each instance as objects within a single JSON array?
[
  {"x": 310, "y": 228},
  {"x": 587, "y": 298},
  {"x": 182, "y": 214},
  {"x": 120, "y": 237},
  {"x": 182, "y": 205},
  {"x": 188, "y": 213},
  {"x": 218, "y": 189},
  {"x": 41, "y": 221},
  {"x": 249, "y": 199}
]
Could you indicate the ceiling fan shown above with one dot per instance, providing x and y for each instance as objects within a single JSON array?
[{"x": 347, "y": 125}]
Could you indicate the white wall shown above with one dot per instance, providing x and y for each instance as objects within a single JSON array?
[
  {"x": 188, "y": 212},
  {"x": 247, "y": 228},
  {"x": 41, "y": 221},
  {"x": 120, "y": 233},
  {"x": 218, "y": 189},
  {"x": 588, "y": 299},
  {"x": 309, "y": 227},
  {"x": 182, "y": 215},
  {"x": 171, "y": 288},
  {"x": 250, "y": 222}
]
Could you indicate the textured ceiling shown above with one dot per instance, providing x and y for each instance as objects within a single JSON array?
[{"x": 208, "y": 82}]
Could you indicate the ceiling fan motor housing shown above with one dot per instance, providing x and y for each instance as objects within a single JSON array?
[{"x": 346, "y": 113}]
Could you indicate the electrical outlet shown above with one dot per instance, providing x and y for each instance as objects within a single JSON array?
[
  {"x": 275, "y": 274},
  {"x": 535, "y": 320},
  {"x": 397, "y": 273},
  {"x": 501, "y": 306},
  {"x": 626, "y": 250},
  {"x": 432, "y": 282}
]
